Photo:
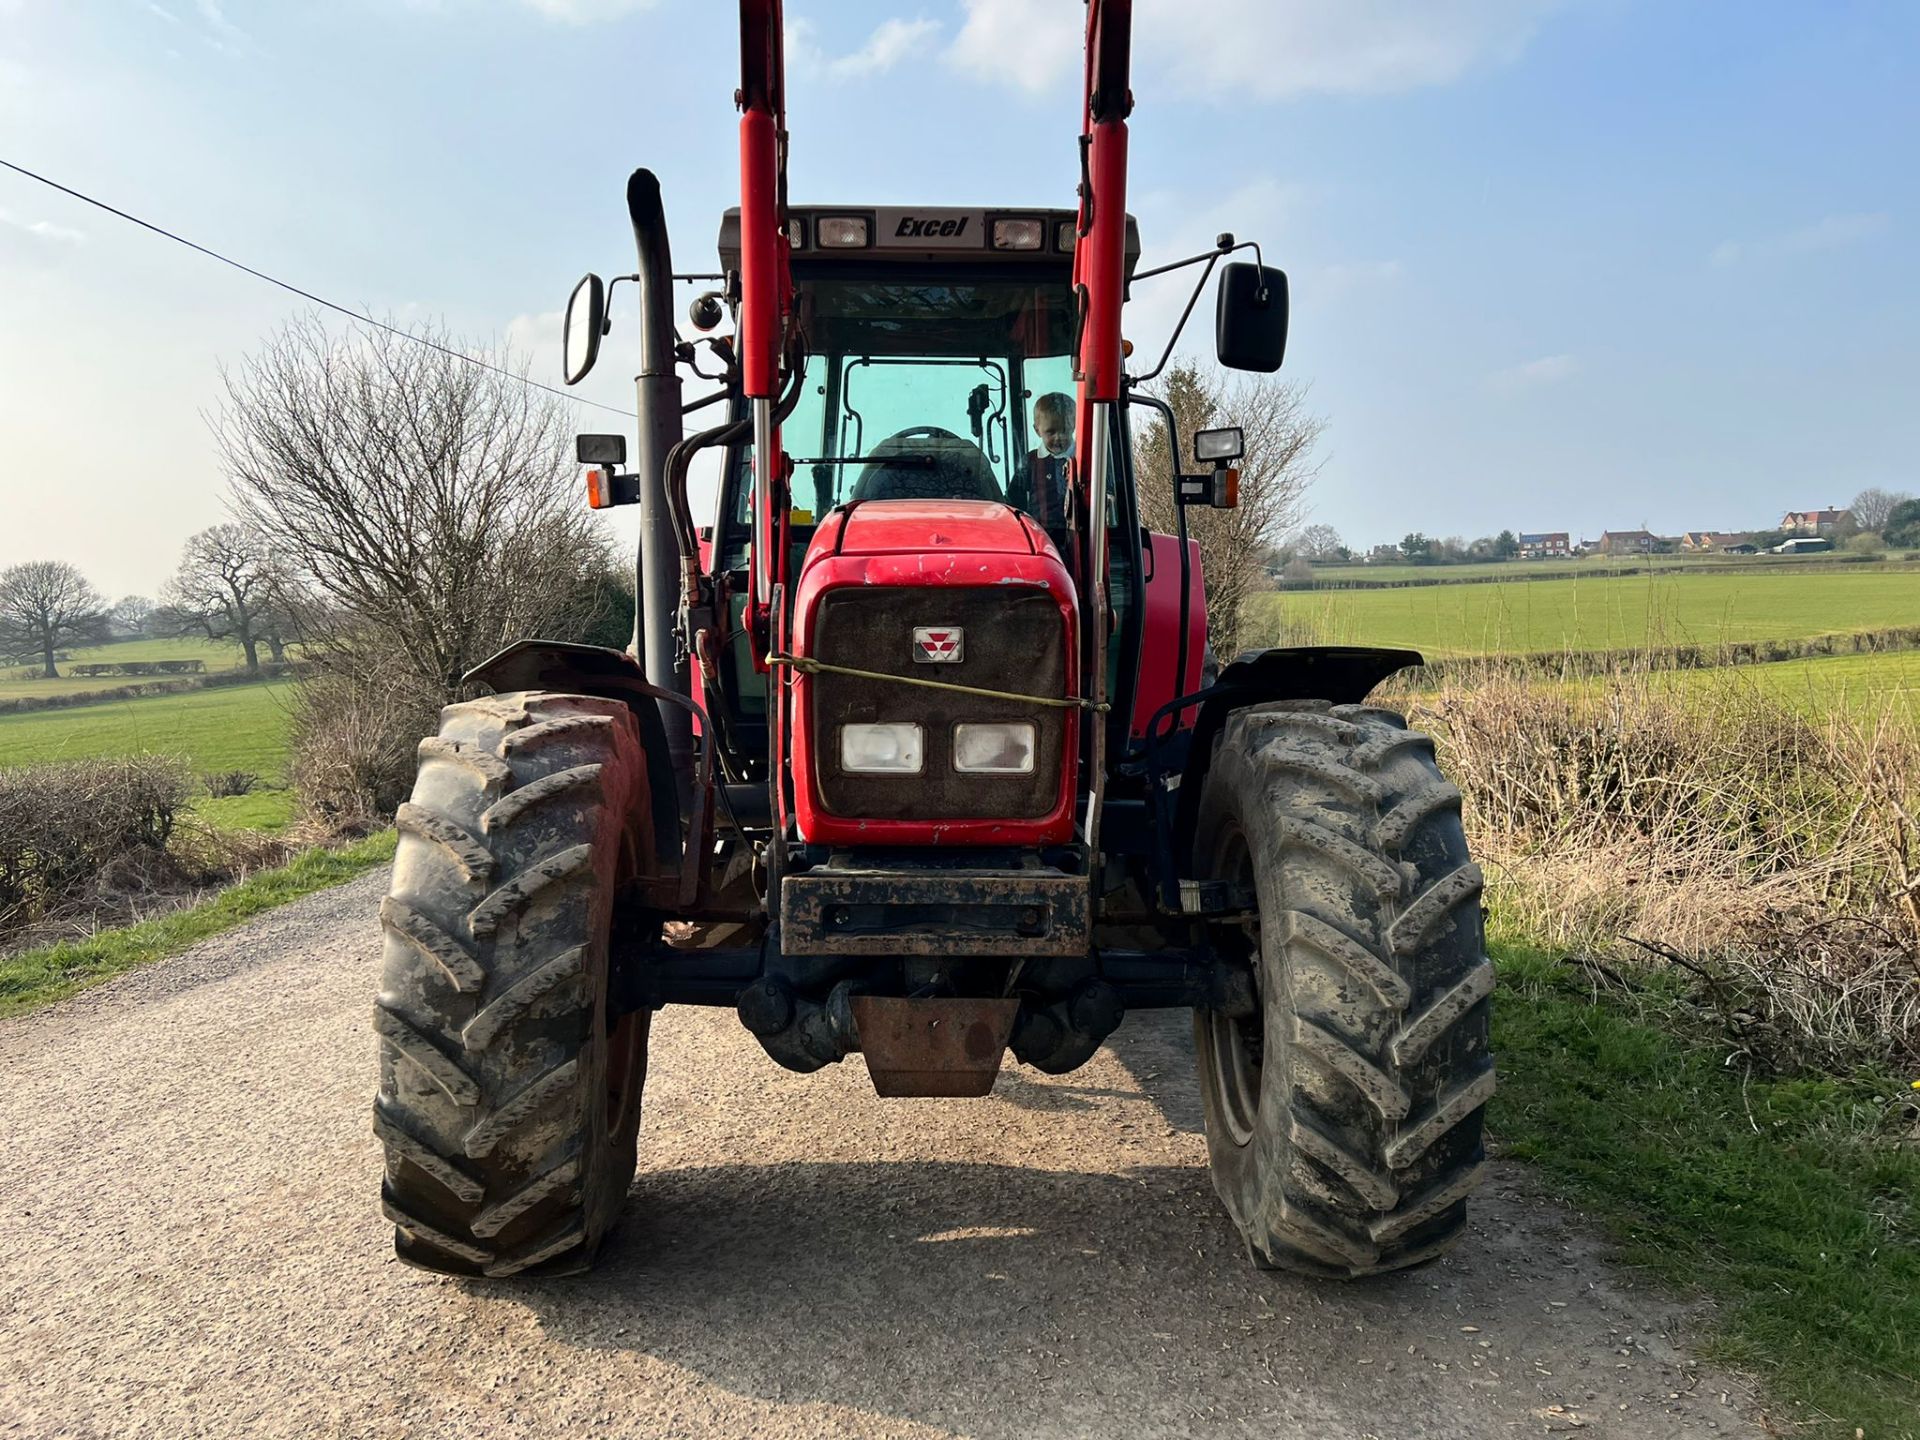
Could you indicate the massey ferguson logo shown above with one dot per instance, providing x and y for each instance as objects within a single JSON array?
[
  {"x": 938, "y": 644},
  {"x": 914, "y": 228}
]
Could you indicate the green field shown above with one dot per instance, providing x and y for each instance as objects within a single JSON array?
[
  {"x": 240, "y": 727},
  {"x": 1864, "y": 687},
  {"x": 18, "y": 680},
  {"x": 1591, "y": 565},
  {"x": 1861, "y": 685},
  {"x": 1595, "y": 613}
]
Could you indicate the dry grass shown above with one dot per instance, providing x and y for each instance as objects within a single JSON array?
[{"x": 1771, "y": 861}]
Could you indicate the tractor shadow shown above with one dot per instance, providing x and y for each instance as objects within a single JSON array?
[
  {"x": 1155, "y": 1046},
  {"x": 985, "y": 1299}
]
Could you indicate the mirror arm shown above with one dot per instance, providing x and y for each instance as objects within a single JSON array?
[
  {"x": 606, "y": 325},
  {"x": 1179, "y": 325},
  {"x": 1213, "y": 257},
  {"x": 1223, "y": 245}
]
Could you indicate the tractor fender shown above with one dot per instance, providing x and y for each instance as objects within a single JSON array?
[
  {"x": 561, "y": 667},
  {"x": 1340, "y": 674}
]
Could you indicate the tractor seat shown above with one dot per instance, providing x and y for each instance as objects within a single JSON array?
[{"x": 959, "y": 471}]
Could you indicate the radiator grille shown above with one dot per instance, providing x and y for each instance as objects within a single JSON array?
[{"x": 1015, "y": 640}]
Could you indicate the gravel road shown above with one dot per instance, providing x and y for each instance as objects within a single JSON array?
[{"x": 190, "y": 1245}]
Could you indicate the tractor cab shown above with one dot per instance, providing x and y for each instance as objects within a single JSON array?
[
  {"x": 937, "y": 347},
  {"x": 933, "y": 353}
]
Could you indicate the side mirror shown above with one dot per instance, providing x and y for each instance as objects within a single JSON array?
[
  {"x": 586, "y": 323},
  {"x": 1250, "y": 318}
]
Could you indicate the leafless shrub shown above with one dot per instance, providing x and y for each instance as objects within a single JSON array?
[
  {"x": 224, "y": 783},
  {"x": 1704, "y": 826},
  {"x": 67, "y": 829},
  {"x": 354, "y": 733},
  {"x": 209, "y": 857}
]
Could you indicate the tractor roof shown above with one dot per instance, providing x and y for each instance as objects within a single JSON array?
[{"x": 925, "y": 232}]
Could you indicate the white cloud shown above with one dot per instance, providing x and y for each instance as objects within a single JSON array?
[
  {"x": 1533, "y": 375},
  {"x": 43, "y": 230},
  {"x": 1028, "y": 44},
  {"x": 36, "y": 244},
  {"x": 536, "y": 338},
  {"x": 1233, "y": 49},
  {"x": 891, "y": 42},
  {"x": 587, "y": 12},
  {"x": 223, "y": 34},
  {"x": 1835, "y": 232}
]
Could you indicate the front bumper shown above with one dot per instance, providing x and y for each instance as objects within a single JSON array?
[{"x": 984, "y": 913}]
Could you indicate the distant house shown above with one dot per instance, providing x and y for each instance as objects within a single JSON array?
[
  {"x": 1385, "y": 555},
  {"x": 1552, "y": 545},
  {"x": 1708, "y": 542},
  {"x": 1812, "y": 522},
  {"x": 1802, "y": 545},
  {"x": 1628, "y": 542},
  {"x": 1744, "y": 547}
]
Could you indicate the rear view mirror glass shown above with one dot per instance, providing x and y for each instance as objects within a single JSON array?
[
  {"x": 586, "y": 322},
  {"x": 1250, "y": 318}
]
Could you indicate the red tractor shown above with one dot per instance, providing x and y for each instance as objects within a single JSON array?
[{"x": 915, "y": 755}]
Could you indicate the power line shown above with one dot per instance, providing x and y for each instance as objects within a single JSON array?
[{"x": 352, "y": 315}]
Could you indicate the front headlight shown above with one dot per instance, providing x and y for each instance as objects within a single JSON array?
[
  {"x": 893, "y": 749},
  {"x": 994, "y": 749}
]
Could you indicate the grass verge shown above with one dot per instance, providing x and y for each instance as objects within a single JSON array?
[
  {"x": 36, "y": 977},
  {"x": 1795, "y": 1204}
]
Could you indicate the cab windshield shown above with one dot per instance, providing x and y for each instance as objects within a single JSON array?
[{"x": 919, "y": 387}]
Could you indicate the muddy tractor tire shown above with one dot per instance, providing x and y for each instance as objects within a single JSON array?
[
  {"x": 509, "y": 1103},
  {"x": 1344, "y": 1116}
]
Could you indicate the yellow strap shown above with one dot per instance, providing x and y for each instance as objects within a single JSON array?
[{"x": 819, "y": 667}]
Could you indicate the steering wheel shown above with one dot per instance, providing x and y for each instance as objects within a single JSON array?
[{"x": 960, "y": 471}]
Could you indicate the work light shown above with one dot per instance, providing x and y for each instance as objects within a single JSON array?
[
  {"x": 887, "y": 749},
  {"x": 1219, "y": 445},
  {"x": 999, "y": 749},
  {"x": 1019, "y": 234},
  {"x": 840, "y": 232}
]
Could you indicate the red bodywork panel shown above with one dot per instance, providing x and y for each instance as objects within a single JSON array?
[
  {"x": 1160, "y": 632},
  {"x": 970, "y": 543}
]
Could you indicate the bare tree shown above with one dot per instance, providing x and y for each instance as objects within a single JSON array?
[
  {"x": 1320, "y": 543},
  {"x": 228, "y": 587},
  {"x": 1274, "y": 476},
  {"x": 130, "y": 615},
  {"x": 45, "y": 604},
  {"x": 425, "y": 514},
  {"x": 427, "y": 504},
  {"x": 1872, "y": 507}
]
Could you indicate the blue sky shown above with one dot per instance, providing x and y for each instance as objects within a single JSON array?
[{"x": 1557, "y": 264}]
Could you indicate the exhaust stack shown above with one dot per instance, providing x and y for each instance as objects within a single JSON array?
[{"x": 656, "y": 587}]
